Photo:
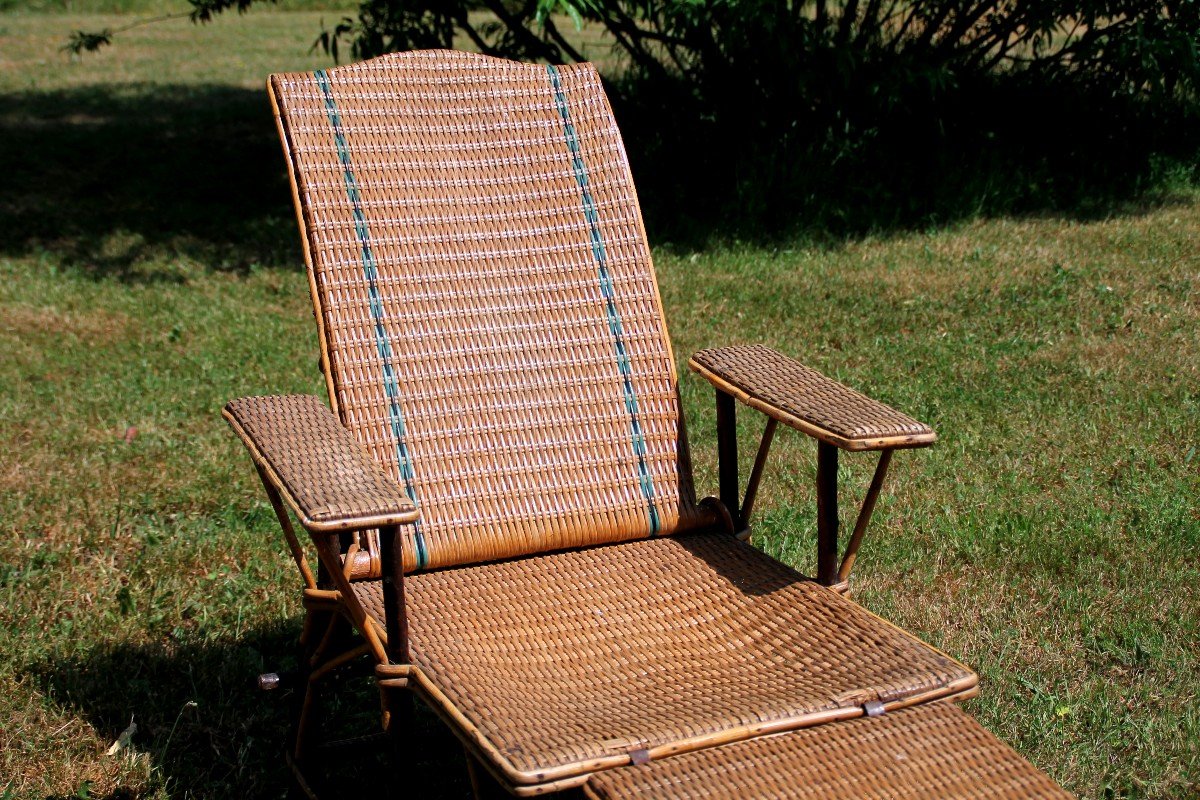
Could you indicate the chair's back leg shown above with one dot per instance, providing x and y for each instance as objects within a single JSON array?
[{"x": 727, "y": 458}]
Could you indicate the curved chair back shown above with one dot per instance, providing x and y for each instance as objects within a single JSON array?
[{"x": 491, "y": 326}]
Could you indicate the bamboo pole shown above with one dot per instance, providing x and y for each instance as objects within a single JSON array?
[{"x": 864, "y": 515}]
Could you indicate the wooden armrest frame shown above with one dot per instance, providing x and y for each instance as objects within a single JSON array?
[
  {"x": 835, "y": 415},
  {"x": 316, "y": 465},
  {"x": 309, "y": 462}
]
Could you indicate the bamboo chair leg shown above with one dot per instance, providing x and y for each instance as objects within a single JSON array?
[
  {"x": 285, "y": 523},
  {"x": 399, "y": 715},
  {"x": 727, "y": 457},
  {"x": 308, "y": 708},
  {"x": 395, "y": 610},
  {"x": 327, "y": 638},
  {"x": 316, "y": 627},
  {"x": 314, "y": 667},
  {"x": 398, "y": 703},
  {"x": 864, "y": 516},
  {"x": 299, "y": 753},
  {"x": 827, "y": 514},
  {"x": 760, "y": 463},
  {"x": 306, "y": 632},
  {"x": 483, "y": 785}
]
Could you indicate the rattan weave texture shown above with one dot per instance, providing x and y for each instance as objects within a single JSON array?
[
  {"x": 326, "y": 475},
  {"x": 930, "y": 752},
  {"x": 566, "y": 658},
  {"x": 493, "y": 326},
  {"x": 804, "y": 398}
]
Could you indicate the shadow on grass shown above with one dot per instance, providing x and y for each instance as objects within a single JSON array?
[
  {"x": 211, "y": 733},
  {"x": 826, "y": 169},
  {"x": 102, "y": 178},
  {"x": 110, "y": 179}
]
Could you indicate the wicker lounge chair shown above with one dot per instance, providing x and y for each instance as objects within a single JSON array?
[{"x": 500, "y": 497}]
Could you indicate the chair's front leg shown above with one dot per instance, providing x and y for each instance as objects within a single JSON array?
[
  {"x": 394, "y": 608},
  {"x": 829, "y": 573},
  {"x": 827, "y": 514},
  {"x": 397, "y": 700}
]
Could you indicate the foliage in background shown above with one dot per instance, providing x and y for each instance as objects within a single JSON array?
[
  {"x": 721, "y": 46},
  {"x": 853, "y": 115}
]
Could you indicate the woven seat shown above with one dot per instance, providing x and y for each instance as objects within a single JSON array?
[{"x": 672, "y": 643}]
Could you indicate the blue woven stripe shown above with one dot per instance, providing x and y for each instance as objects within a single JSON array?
[
  {"x": 606, "y": 288},
  {"x": 382, "y": 343}
]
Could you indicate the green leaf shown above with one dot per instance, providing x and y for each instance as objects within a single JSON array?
[{"x": 84, "y": 41}]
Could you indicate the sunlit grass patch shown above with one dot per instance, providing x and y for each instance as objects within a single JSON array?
[{"x": 1051, "y": 538}]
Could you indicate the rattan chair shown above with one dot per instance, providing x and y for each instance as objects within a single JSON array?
[{"x": 500, "y": 495}]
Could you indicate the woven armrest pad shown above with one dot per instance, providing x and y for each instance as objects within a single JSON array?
[
  {"x": 316, "y": 464},
  {"x": 803, "y": 398}
]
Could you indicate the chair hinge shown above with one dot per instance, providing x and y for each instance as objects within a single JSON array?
[
  {"x": 874, "y": 708},
  {"x": 640, "y": 757}
]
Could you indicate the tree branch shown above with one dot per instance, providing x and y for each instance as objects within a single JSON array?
[
  {"x": 562, "y": 42},
  {"x": 90, "y": 41}
]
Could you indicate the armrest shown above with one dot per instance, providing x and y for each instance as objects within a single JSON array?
[
  {"x": 804, "y": 399},
  {"x": 322, "y": 473}
]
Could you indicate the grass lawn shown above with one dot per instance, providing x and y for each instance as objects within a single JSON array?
[{"x": 150, "y": 270}]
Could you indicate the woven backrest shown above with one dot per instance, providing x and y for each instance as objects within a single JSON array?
[{"x": 491, "y": 325}]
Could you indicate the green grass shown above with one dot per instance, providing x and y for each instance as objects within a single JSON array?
[{"x": 149, "y": 272}]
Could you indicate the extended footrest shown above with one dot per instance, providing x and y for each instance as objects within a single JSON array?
[{"x": 930, "y": 752}]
